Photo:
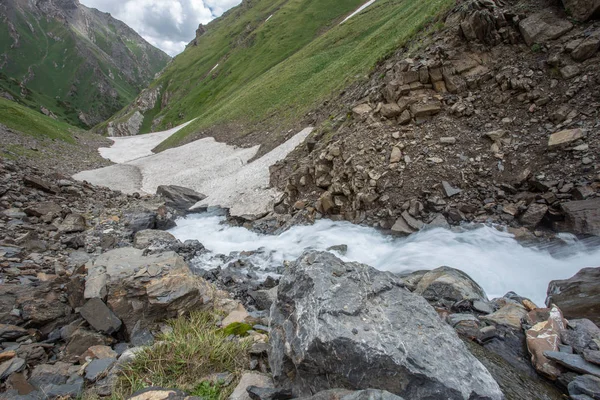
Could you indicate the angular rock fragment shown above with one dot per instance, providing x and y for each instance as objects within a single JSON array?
[{"x": 578, "y": 296}]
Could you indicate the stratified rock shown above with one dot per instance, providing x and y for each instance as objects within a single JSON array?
[
  {"x": 578, "y": 296},
  {"x": 445, "y": 283},
  {"x": 327, "y": 332},
  {"x": 43, "y": 208},
  {"x": 580, "y": 333},
  {"x": 582, "y": 10},
  {"x": 8, "y": 367},
  {"x": 179, "y": 197},
  {"x": 100, "y": 317},
  {"x": 574, "y": 362},
  {"x": 581, "y": 217},
  {"x": 545, "y": 336},
  {"x": 585, "y": 385},
  {"x": 543, "y": 26}
]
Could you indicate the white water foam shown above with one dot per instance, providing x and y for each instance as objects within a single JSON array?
[{"x": 492, "y": 258}]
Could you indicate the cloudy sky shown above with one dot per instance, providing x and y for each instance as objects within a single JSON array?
[{"x": 167, "y": 24}]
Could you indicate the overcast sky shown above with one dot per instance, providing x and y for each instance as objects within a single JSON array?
[{"x": 167, "y": 24}]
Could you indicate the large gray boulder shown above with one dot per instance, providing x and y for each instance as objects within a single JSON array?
[
  {"x": 581, "y": 217},
  {"x": 578, "y": 296},
  {"x": 347, "y": 325},
  {"x": 179, "y": 197},
  {"x": 449, "y": 284}
]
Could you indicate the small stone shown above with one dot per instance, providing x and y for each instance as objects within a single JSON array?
[
  {"x": 11, "y": 332},
  {"x": 391, "y": 110},
  {"x": 587, "y": 48},
  {"x": 72, "y": 223},
  {"x": 570, "y": 71},
  {"x": 396, "y": 155},
  {"x": 509, "y": 315},
  {"x": 412, "y": 222},
  {"x": 449, "y": 189},
  {"x": 483, "y": 307},
  {"x": 448, "y": 140},
  {"x": 362, "y": 110}
]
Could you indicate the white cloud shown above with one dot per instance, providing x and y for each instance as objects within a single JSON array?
[{"x": 166, "y": 24}]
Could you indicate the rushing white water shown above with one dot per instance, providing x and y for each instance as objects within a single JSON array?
[{"x": 492, "y": 258}]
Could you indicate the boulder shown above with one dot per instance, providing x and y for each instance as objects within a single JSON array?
[
  {"x": 347, "y": 325},
  {"x": 585, "y": 385},
  {"x": 391, "y": 110},
  {"x": 534, "y": 215},
  {"x": 545, "y": 336},
  {"x": 580, "y": 333},
  {"x": 43, "y": 208},
  {"x": 581, "y": 217},
  {"x": 449, "y": 284},
  {"x": 343, "y": 394},
  {"x": 154, "y": 238},
  {"x": 542, "y": 27},
  {"x": 509, "y": 315},
  {"x": 582, "y": 10},
  {"x": 586, "y": 49},
  {"x": 578, "y": 296},
  {"x": 142, "y": 290},
  {"x": 179, "y": 197}
]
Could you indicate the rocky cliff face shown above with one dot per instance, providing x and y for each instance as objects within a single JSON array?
[{"x": 79, "y": 63}]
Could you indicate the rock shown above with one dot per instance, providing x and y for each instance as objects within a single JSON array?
[
  {"x": 425, "y": 109},
  {"x": 448, "y": 140},
  {"x": 261, "y": 393},
  {"x": 445, "y": 283},
  {"x": 178, "y": 197},
  {"x": 439, "y": 221},
  {"x": 238, "y": 315},
  {"x": 362, "y": 110},
  {"x": 509, "y": 315},
  {"x": 570, "y": 71},
  {"x": 585, "y": 385},
  {"x": 449, "y": 190},
  {"x": 98, "y": 368},
  {"x": 99, "y": 352},
  {"x": 412, "y": 222},
  {"x": 150, "y": 288},
  {"x": 340, "y": 248},
  {"x": 247, "y": 380},
  {"x": 565, "y": 137},
  {"x": 155, "y": 238},
  {"x": 396, "y": 155},
  {"x": 545, "y": 336},
  {"x": 343, "y": 394},
  {"x": 580, "y": 333},
  {"x": 11, "y": 366},
  {"x": 100, "y": 317},
  {"x": 264, "y": 298},
  {"x": 578, "y": 296},
  {"x": 582, "y": 10},
  {"x": 586, "y": 49},
  {"x": 155, "y": 393},
  {"x": 574, "y": 362},
  {"x": 592, "y": 356},
  {"x": 38, "y": 183},
  {"x": 581, "y": 217},
  {"x": 81, "y": 340},
  {"x": 534, "y": 215},
  {"x": 542, "y": 27},
  {"x": 11, "y": 332},
  {"x": 139, "y": 221},
  {"x": 43, "y": 208},
  {"x": 327, "y": 322},
  {"x": 72, "y": 223},
  {"x": 400, "y": 226},
  {"x": 391, "y": 110},
  {"x": 404, "y": 118}
]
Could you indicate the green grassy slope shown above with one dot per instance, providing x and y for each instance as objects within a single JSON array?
[
  {"x": 25, "y": 120},
  {"x": 287, "y": 65}
]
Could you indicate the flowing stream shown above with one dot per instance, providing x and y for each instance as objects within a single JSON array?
[{"x": 493, "y": 258}]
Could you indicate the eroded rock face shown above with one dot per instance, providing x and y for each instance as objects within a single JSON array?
[
  {"x": 578, "y": 296},
  {"x": 347, "y": 325}
]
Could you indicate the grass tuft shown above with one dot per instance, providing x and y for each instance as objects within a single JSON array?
[{"x": 184, "y": 358}]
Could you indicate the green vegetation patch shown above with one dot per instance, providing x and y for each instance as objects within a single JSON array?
[
  {"x": 264, "y": 80},
  {"x": 33, "y": 123},
  {"x": 184, "y": 358}
]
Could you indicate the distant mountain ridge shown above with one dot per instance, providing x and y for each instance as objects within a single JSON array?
[{"x": 70, "y": 61}]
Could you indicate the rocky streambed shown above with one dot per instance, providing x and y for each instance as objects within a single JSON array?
[{"x": 89, "y": 277}]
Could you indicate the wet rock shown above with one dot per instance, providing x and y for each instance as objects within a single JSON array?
[
  {"x": 100, "y": 317},
  {"x": 344, "y": 300},
  {"x": 578, "y": 296},
  {"x": 156, "y": 393},
  {"x": 542, "y": 27},
  {"x": 582, "y": 10},
  {"x": 178, "y": 197},
  {"x": 445, "y": 283},
  {"x": 439, "y": 221},
  {"x": 250, "y": 379},
  {"x": 581, "y": 217},
  {"x": 580, "y": 333},
  {"x": 585, "y": 387},
  {"x": 72, "y": 223},
  {"x": 261, "y": 393},
  {"x": 534, "y": 215},
  {"x": 563, "y": 138},
  {"x": 545, "y": 336},
  {"x": 509, "y": 315},
  {"x": 574, "y": 362}
]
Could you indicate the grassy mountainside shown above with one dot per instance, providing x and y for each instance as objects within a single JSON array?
[
  {"x": 79, "y": 63},
  {"x": 277, "y": 59}
]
